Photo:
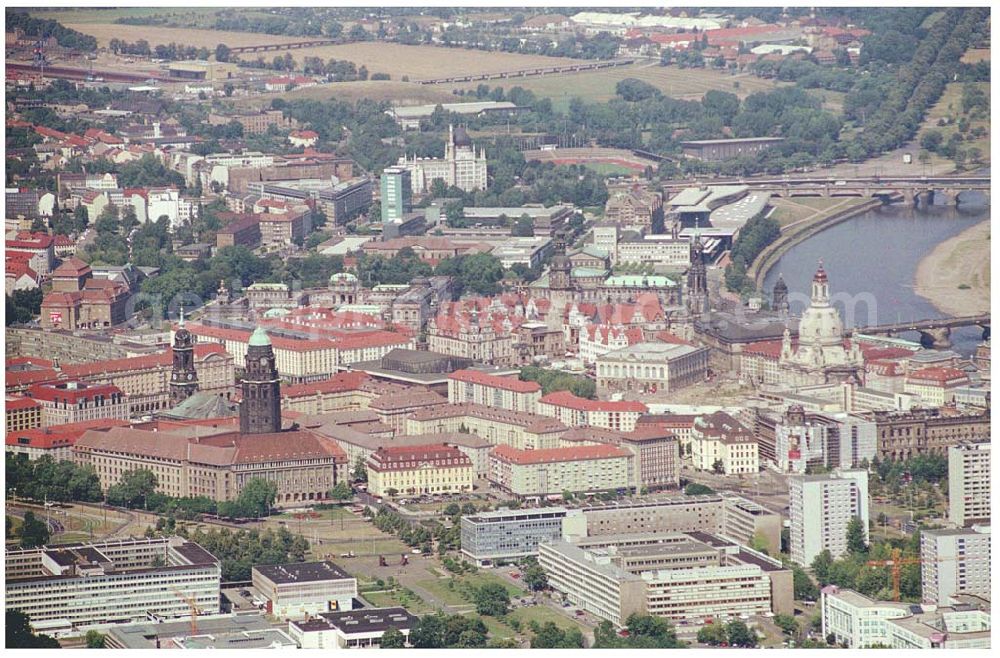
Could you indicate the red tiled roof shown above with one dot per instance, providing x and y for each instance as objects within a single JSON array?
[
  {"x": 398, "y": 458},
  {"x": 13, "y": 404},
  {"x": 549, "y": 455},
  {"x": 60, "y": 436},
  {"x": 339, "y": 383},
  {"x": 60, "y": 391},
  {"x": 304, "y": 134},
  {"x": 567, "y": 399},
  {"x": 28, "y": 361},
  {"x": 147, "y": 362},
  {"x": 29, "y": 377},
  {"x": 71, "y": 267},
  {"x": 938, "y": 375},
  {"x": 495, "y": 381}
]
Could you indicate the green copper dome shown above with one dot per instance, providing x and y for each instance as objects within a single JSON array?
[{"x": 259, "y": 338}]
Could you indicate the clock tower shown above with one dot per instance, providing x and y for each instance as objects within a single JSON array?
[
  {"x": 183, "y": 378},
  {"x": 260, "y": 408}
]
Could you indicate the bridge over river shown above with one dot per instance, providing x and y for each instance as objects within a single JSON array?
[{"x": 934, "y": 332}]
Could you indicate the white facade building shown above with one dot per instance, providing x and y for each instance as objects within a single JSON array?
[
  {"x": 969, "y": 483},
  {"x": 820, "y": 507},
  {"x": 954, "y": 562}
]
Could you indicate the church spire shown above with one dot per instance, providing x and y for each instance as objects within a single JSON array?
[
  {"x": 260, "y": 408},
  {"x": 183, "y": 376}
]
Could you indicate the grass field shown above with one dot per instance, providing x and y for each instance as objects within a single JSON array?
[
  {"x": 439, "y": 587},
  {"x": 398, "y": 598},
  {"x": 974, "y": 55},
  {"x": 609, "y": 169},
  {"x": 949, "y": 107},
  {"x": 600, "y": 85}
]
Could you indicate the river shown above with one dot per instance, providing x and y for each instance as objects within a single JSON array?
[{"x": 875, "y": 256}]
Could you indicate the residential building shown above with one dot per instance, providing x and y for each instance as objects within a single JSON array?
[
  {"x": 650, "y": 369},
  {"x": 936, "y": 386},
  {"x": 74, "y": 401},
  {"x": 576, "y": 411},
  {"x": 821, "y": 507},
  {"x": 22, "y": 414},
  {"x": 393, "y": 410},
  {"x": 428, "y": 469},
  {"x": 828, "y": 440},
  {"x": 509, "y": 535},
  {"x": 954, "y": 562},
  {"x": 721, "y": 443},
  {"x": 969, "y": 483},
  {"x": 551, "y": 471},
  {"x": 520, "y": 430},
  {"x": 65, "y": 587},
  {"x": 634, "y": 206},
  {"x": 461, "y": 165},
  {"x": 494, "y": 391},
  {"x": 356, "y": 629},
  {"x": 656, "y": 464},
  {"x": 301, "y": 589},
  {"x": 596, "y": 340},
  {"x": 283, "y": 229},
  {"x": 396, "y": 193}
]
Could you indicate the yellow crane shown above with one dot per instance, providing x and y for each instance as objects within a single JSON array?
[{"x": 194, "y": 610}]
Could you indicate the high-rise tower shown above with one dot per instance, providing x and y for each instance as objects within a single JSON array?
[
  {"x": 183, "y": 377},
  {"x": 260, "y": 408}
]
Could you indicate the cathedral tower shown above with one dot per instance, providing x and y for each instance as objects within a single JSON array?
[
  {"x": 779, "y": 297},
  {"x": 260, "y": 408},
  {"x": 697, "y": 278},
  {"x": 183, "y": 378}
]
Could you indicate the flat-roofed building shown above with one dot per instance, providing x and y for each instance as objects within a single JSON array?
[
  {"x": 954, "y": 561},
  {"x": 113, "y": 581},
  {"x": 302, "y": 589},
  {"x": 859, "y": 622},
  {"x": 356, "y": 629},
  {"x": 218, "y": 632},
  {"x": 714, "y": 150},
  {"x": 821, "y": 507},
  {"x": 656, "y": 463},
  {"x": 969, "y": 483},
  {"x": 509, "y": 535}
]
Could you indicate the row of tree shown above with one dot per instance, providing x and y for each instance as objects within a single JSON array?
[{"x": 554, "y": 380}]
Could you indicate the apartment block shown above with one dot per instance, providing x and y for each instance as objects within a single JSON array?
[
  {"x": 821, "y": 507},
  {"x": 954, "y": 562},
  {"x": 969, "y": 483},
  {"x": 492, "y": 390}
]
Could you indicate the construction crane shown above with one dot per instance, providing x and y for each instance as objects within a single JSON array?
[
  {"x": 896, "y": 563},
  {"x": 194, "y": 610}
]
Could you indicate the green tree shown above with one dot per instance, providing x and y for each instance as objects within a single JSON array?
[
  {"x": 712, "y": 634},
  {"x": 392, "y": 639},
  {"x": 341, "y": 492},
  {"x": 534, "y": 575},
  {"x": 786, "y": 623},
  {"x": 257, "y": 497},
  {"x": 133, "y": 488},
  {"x": 18, "y": 633},
  {"x": 523, "y": 227},
  {"x": 34, "y": 532},
  {"x": 740, "y": 635},
  {"x": 856, "y": 536},
  {"x": 94, "y": 640},
  {"x": 696, "y": 489},
  {"x": 492, "y": 599},
  {"x": 804, "y": 587},
  {"x": 822, "y": 565},
  {"x": 550, "y": 636}
]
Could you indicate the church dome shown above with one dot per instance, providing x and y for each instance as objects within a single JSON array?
[
  {"x": 259, "y": 338},
  {"x": 343, "y": 278}
]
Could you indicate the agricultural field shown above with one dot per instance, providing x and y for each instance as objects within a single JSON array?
[
  {"x": 156, "y": 35},
  {"x": 973, "y": 55},
  {"x": 192, "y": 16},
  {"x": 420, "y": 62},
  {"x": 599, "y": 86}
]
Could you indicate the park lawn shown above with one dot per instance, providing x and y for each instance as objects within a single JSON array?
[
  {"x": 439, "y": 587},
  {"x": 398, "y": 598},
  {"x": 361, "y": 547},
  {"x": 949, "y": 106},
  {"x": 544, "y": 614}
]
